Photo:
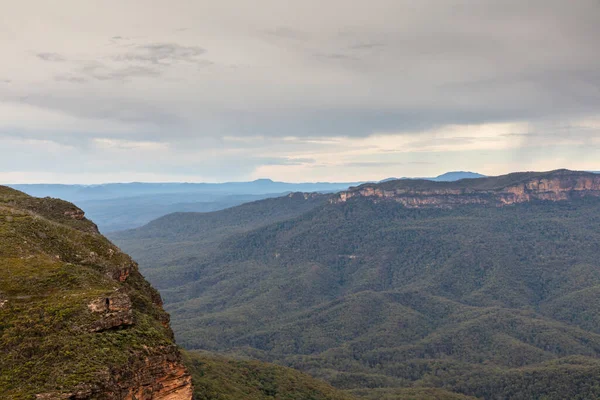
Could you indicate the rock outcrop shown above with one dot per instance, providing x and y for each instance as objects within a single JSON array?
[
  {"x": 75, "y": 214},
  {"x": 79, "y": 321},
  {"x": 159, "y": 376},
  {"x": 116, "y": 312},
  {"x": 498, "y": 191}
]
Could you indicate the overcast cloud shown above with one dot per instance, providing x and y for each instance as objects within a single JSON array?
[{"x": 95, "y": 91}]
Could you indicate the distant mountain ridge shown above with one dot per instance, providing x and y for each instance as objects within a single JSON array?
[
  {"x": 121, "y": 206},
  {"x": 119, "y": 190},
  {"x": 457, "y": 175},
  {"x": 501, "y": 190},
  {"x": 78, "y": 192},
  {"x": 446, "y": 177}
]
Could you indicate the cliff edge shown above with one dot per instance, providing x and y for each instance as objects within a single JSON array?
[
  {"x": 501, "y": 190},
  {"x": 77, "y": 319}
]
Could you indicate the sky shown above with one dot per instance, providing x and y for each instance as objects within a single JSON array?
[{"x": 330, "y": 90}]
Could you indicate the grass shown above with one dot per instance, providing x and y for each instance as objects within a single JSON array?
[{"x": 51, "y": 268}]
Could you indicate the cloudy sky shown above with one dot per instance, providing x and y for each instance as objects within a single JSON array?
[{"x": 328, "y": 90}]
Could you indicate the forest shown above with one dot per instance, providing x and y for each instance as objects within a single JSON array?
[{"x": 482, "y": 301}]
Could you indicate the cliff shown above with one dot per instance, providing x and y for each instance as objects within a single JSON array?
[
  {"x": 77, "y": 319},
  {"x": 499, "y": 191}
]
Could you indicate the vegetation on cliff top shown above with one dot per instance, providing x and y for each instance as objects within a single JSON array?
[
  {"x": 484, "y": 183},
  {"x": 53, "y": 264}
]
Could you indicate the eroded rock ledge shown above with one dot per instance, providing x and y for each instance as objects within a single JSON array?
[
  {"x": 155, "y": 374},
  {"x": 115, "y": 310},
  {"x": 555, "y": 186}
]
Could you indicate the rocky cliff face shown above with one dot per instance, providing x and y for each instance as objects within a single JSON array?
[
  {"x": 552, "y": 186},
  {"x": 78, "y": 319}
]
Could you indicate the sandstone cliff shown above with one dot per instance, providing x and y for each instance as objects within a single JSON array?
[
  {"x": 499, "y": 191},
  {"x": 78, "y": 321}
]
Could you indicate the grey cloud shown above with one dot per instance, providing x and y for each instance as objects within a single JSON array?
[
  {"x": 156, "y": 57},
  {"x": 101, "y": 72},
  {"x": 357, "y": 122},
  {"x": 381, "y": 66},
  {"x": 52, "y": 57},
  {"x": 123, "y": 110},
  {"x": 285, "y": 161},
  {"x": 335, "y": 56},
  {"x": 379, "y": 164},
  {"x": 482, "y": 63},
  {"x": 282, "y": 32},
  {"x": 542, "y": 134},
  {"x": 120, "y": 40},
  {"x": 163, "y": 53},
  {"x": 366, "y": 46},
  {"x": 69, "y": 78}
]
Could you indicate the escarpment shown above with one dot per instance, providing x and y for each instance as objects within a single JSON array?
[
  {"x": 78, "y": 320},
  {"x": 497, "y": 191}
]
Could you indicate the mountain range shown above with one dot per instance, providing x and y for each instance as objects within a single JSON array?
[
  {"x": 404, "y": 289},
  {"x": 446, "y": 177},
  {"x": 482, "y": 287},
  {"x": 120, "y": 206}
]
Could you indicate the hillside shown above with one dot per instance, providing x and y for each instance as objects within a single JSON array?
[
  {"x": 78, "y": 320},
  {"x": 216, "y": 377},
  {"x": 123, "y": 213},
  {"x": 168, "y": 245},
  {"x": 121, "y": 206},
  {"x": 493, "y": 302}
]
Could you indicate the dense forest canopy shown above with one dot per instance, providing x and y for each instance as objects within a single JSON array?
[{"x": 486, "y": 301}]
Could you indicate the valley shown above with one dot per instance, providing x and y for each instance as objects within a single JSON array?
[
  {"x": 369, "y": 293},
  {"x": 477, "y": 299},
  {"x": 78, "y": 321}
]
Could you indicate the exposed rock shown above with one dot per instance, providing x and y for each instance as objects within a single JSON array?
[
  {"x": 121, "y": 274},
  {"x": 83, "y": 392},
  {"x": 112, "y": 321},
  {"x": 558, "y": 186},
  {"x": 174, "y": 383},
  {"x": 116, "y": 303},
  {"x": 75, "y": 214},
  {"x": 117, "y": 312},
  {"x": 157, "y": 375}
]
